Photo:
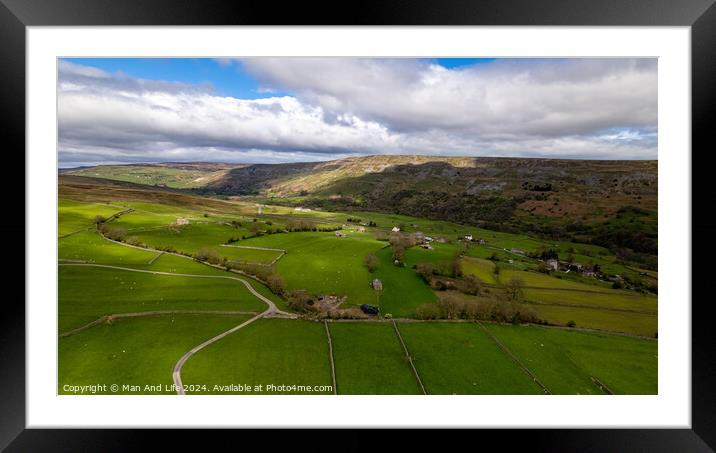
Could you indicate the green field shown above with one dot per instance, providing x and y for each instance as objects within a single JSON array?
[
  {"x": 480, "y": 268},
  {"x": 248, "y": 255},
  {"x": 537, "y": 279},
  {"x": 86, "y": 293},
  {"x": 322, "y": 263},
  {"x": 90, "y": 246},
  {"x": 442, "y": 254},
  {"x": 192, "y": 237},
  {"x": 369, "y": 360},
  {"x": 270, "y": 351},
  {"x": 566, "y": 361},
  {"x": 612, "y": 299},
  {"x": 74, "y": 216},
  {"x": 403, "y": 289},
  {"x": 613, "y": 321},
  {"x": 461, "y": 359},
  {"x": 137, "y": 351}
]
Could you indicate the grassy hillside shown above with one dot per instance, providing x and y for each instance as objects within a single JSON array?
[
  {"x": 609, "y": 203},
  {"x": 176, "y": 175}
]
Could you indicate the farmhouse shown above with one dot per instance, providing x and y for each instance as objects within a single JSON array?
[
  {"x": 395, "y": 229},
  {"x": 552, "y": 265},
  {"x": 360, "y": 229},
  {"x": 428, "y": 239},
  {"x": 468, "y": 237},
  {"x": 339, "y": 234},
  {"x": 481, "y": 242},
  {"x": 182, "y": 221},
  {"x": 377, "y": 284}
]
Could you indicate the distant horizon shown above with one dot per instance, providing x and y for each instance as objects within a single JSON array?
[
  {"x": 286, "y": 110},
  {"x": 196, "y": 162}
]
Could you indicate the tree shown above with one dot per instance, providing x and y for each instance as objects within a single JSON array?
[
  {"x": 99, "y": 219},
  {"x": 208, "y": 255},
  {"x": 542, "y": 267},
  {"x": 425, "y": 271},
  {"x": 275, "y": 283},
  {"x": 471, "y": 285},
  {"x": 514, "y": 287},
  {"x": 398, "y": 253},
  {"x": 255, "y": 228},
  {"x": 456, "y": 267},
  {"x": 371, "y": 261},
  {"x": 300, "y": 300},
  {"x": 549, "y": 254},
  {"x": 116, "y": 233}
]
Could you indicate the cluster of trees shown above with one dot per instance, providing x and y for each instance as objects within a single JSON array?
[
  {"x": 400, "y": 242},
  {"x": 210, "y": 256},
  {"x": 495, "y": 308},
  {"x": 358, "y": 220},
  {"x": 545, "y": 254},
  {"x": 536, "y": 187},
  {"x": 433, "y": 276},
  {"x": 306, "y": 225},
  {"x": 114, "y": 233},
  {"x": 256, "y": 229},
  {"x": 447, "y": 268},
  {"x": 300, "y": 300},
  {"x": 264, "y": 274}
]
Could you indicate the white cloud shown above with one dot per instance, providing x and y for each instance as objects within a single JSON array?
[
  {"x": 540, "y": 97},
  {"x": 547, "y": 108}
]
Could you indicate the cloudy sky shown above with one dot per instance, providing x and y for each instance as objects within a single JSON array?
[{"x": 288, "y": 109}]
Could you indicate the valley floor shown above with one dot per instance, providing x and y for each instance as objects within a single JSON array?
[{"x": 139, "y": 311}]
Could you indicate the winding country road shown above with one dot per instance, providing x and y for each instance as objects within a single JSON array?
[{"x": 271, "y": 311}]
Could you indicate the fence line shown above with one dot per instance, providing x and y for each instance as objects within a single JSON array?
[
  {"x": 330, "y": 352},
  {"x": 410, "y": 360}
]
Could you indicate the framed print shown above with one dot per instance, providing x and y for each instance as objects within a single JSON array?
[{"x": 385, "y": 224}]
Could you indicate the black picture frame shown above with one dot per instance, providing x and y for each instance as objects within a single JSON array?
[{"x": 700, "y": 15}]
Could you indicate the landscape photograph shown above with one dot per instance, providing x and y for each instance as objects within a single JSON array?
[{"x": 357, "y": 226}]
